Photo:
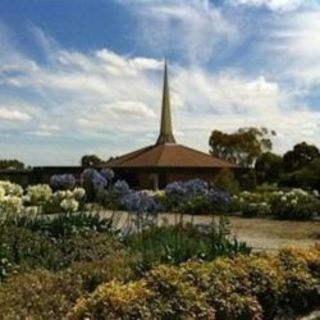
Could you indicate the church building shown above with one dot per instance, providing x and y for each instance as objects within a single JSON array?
[{"x": 154, "y": 166}]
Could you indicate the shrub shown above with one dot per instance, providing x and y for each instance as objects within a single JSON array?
[
  {"x": 117, "y": 266},
  {"x": 296, "y": 204},
  {"x": 38, "y": 295},
  {"x": 28, "y": 249},
  {"x": 226, "y": 180},
  {"x": 195, "y": 197},
  {"x": 176, "y": 244},
  {"x": 247, "y": 287},
  {"x": 5, "y": 264},
  {"x": 88, "y": 246}
]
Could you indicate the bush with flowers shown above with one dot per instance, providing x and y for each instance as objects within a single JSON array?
[
  {"x": 195, "y": 197},
  {"x": 294, "y": 204},
  {"x": 37, "y": 199}
]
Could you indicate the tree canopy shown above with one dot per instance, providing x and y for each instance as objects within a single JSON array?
[
  {"x": 242, "y": 147},
  {"x": 301, "y": 155},
  {"x": 91, "y": 161},
  {"x": 268, "y": 167},
  {"x": 11, "y": 164}
]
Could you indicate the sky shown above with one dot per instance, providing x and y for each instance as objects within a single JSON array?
[{"x": 85, "y": 76}]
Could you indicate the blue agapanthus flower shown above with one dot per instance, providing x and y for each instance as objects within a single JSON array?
[
  {"x": 218, "y": 196},
  {"x": 196, "y": 186},
  {"x": 121, "y": 188},
  {"x": 94, "y": 177},
  {"x": 62, "y": 182},
  {"x": 176, "y": 188},
  {"x": 108, "y": 174},
  {"x": 140, "y": 202}
]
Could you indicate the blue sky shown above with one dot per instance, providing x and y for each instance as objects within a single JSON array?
[{"x": 85, "y": 76}]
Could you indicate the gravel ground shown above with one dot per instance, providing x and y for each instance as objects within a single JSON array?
[{"x": 264, "y": 234}]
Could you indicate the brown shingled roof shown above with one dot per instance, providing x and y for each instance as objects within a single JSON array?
[{"x": 168, "y": 155}]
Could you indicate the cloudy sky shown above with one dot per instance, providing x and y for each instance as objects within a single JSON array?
[{"x": 85, "y": 76}]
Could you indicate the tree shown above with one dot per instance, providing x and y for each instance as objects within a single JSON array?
[
  {"x": 268, "y": 167},
  {"x": 308, "y": 177},
  {"x": 91, "y": 161},
  {"x": 242, "y": 147},
  {"x": 11, "y": 164},
  {"x": 301, "y": 155}
]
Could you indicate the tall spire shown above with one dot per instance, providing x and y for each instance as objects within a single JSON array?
[{"x": 166, "y": 135}]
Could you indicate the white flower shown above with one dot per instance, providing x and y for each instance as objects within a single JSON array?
[
  {"x": 294, "y": 202},
  {"x": 315, "y": 193},
  {"x": 10, "y": 188},
  {"x": 32, "y": 210},
  {"x": 69, "y": 205},
  {"x": 2, "y": 193},
  {"x": 11, "y": 204},
  {"x": 79, "y": 193},
  {"x": 39, "y": 193}
]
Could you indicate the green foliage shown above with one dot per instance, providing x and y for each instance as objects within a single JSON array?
[
  {"x": 117, "y": 266},
  {"x": 87, "y": 247},
  {"x": 176, "y": 244},
  {"x": 91, "y": 161},
  {"x": 199, "y": 204},
  {"x": 268, "y": 168},
  {"x": 247, "y": 180},
  {"x": 29, "y": 249},
  {"x": 65, "y": 225},
  {"x": 11, "y": 164},
  {"x": 308, "y": 177},
  {"x": 5, "y": 264},
  {"x": 243, "y": 288},
  {"x": 38, "y": 295},
  {"x": 242, "y": 147},
  {"x": 294, "y": 204},
  {"x": 301, "y": 155},
  {"x": 226, "y": 180}
]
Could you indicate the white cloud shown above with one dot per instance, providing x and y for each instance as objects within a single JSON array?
[
  {"x": 295, "y": 41},
  {"x": 194, "y": 29},
  {"x": 231, "y": 92},
  {"x": 8, "y": 113},
  {"x": 283, "y": 5},
  {"x": 112, "y": 102}
]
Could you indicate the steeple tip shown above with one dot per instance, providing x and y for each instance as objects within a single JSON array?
[{"x": 166, "y": 134}]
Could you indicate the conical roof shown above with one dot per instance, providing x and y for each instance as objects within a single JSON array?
[{"x": 166, "y": 134}]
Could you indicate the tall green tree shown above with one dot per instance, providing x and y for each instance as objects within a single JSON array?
[
  {"x": 268, "y": 167},
  {"x": 301, "y": 155},
  {"x": 242, "y": 147},
  {"x": 11, "y": 164},
  {"x": 91, "y": 161}
]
